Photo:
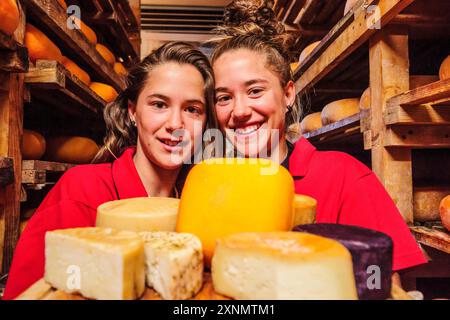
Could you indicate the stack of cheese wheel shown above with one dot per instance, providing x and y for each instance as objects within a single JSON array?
[
  {"x": 104, "y": 91},
  {"x": 311, "y": 122},
  {"x": 69, "y": 149},
  {"x": 307, "y": 51},
  {"x": 9, "y": 16},
  {"x": 225, "y": 196},
  {"x": 338, "y": 110},
  {"x": 444, "y": 70},
  {"x": 40, "y": 46},
  {"x": 33, "y": 145},
  {"x": 139, "y": 214},
  {"x": 282, "y": 265},
  {"x": 371, "y": 254},
  {"x": 426, "y": 202},
  {"x": 77, "y": 71},
  {"x": 444, "y": 211}
]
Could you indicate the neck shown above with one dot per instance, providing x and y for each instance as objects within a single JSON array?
[
  {"x": 280, "y": 151},
  {"x": 157, "y": 181}
]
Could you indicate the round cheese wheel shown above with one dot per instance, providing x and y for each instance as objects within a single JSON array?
[
  {"x": 307, "y": 51},
  {"x": 338, "y": 110},
  {"x": 40, "y": 46},
  {"x": 304, "y": 209},
  {"x": 224, "y": 196},
  {"x": 71, "y": 149},
  {"x": 369, "y": 248},
  {"x": 349, "y": 5},
  {"x": 364, "y": 102},
  {"x": 63, "y": 4},
  {"x": 77, "y": 71},
  {"x": 106, "y": 92},
  {"x": 294, "y": 66},
  {"x": 139, "y": 214},
  {"x": 9, "y": 16},
  {"x": 106, "y": 53},
  {"x": 311, "y": 122},
  {"x": 33, "y": 145},
  {"x": 282, "y": 266},
  {"x": 444, "y": 71},
  {"x": 444, "y": 210},
  {"x": 86, "y": 30},
  {"x": 120, "y": 69},
  {"x": 426, "y": 202}
]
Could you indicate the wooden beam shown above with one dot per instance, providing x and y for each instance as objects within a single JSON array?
[
  {"x": 6, "y": 171},
  {"x": 350, "y": 33},
  {"x": 436, "y": 92},
  {"x": 417, "y": 115},
  {"x": 423, "y": 136},
  {"x": 433, "y": 238},
  {"x": 389, "y": 75}
]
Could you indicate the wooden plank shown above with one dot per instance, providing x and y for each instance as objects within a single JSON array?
[
  {"x": 417, "y": 115},
  {"x": 46, "y": 165},
  {"x": 53, "y": 17},
  {"x": 424, "y": 136},
  {"x": 350, "y": 33},
  {"x": 433, "y": 238},
  {"x": 33, "y": 177},
  {"x": 13, "y": 55},
  {"x": 333, "y": 128},
  {"x": 389, "y": 75},
  {"x": 433, "y": 93},
  {"x": 6, "y": 171}
]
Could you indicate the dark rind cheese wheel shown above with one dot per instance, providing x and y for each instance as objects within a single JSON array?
[{"x": 368, "y": 248}]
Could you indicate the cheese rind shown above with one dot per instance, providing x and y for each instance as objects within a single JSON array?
[
  {"x": 99, "y": 263},
  {"x": 139, "y": 214},
  {"x": 304, "y": 209},
  {"x": 340, "y": 109},
  {"x": 174, "y": 264},
  {"x": 444, "y": 70},
  {"x": 311, "y": 122},
  {"x": 307, "y": 51},
  {"x": 282, "y": 265}
]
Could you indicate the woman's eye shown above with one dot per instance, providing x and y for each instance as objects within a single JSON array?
[
  {"x": 158, "y": 104},
  {"x": 191, "y": 109},
  {"x": 223, "y": 99},
  {"x": 255, "y": 91}
]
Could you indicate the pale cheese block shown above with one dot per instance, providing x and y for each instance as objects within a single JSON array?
[
  {"x": 139, "y": 214},
  {"x": 444, "y": 70},
  {"x": 307, "y": 51},
  {"x": 364, "y": 101},
  {"x": 98, "y": 263},
  {"x": 426, "y": 202},
  {"x": 282, "y": 265},
  {"x": 311, "y": 122},
  {"x": 304, "y": 209},
  {"x": 340, "y": 109},
  {"x": 174, "y": 264}
]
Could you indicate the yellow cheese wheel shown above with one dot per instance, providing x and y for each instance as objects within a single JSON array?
[
  {"x": 311, "y": 122},
  {"x": 444, "y": 71},
  {"x": 105, "y": 91},
  {"x": 71, "y": 149},
  {"x": 307, "y": 51},
  {"x": 87, "y": 31},
  {"x": 294, "y": 66},
  {"x": 40, "y": 46},
  {"x": 9, "y": 16},
  {"x": 77, "y": 71},
  {"x": 338, "y": 110},
  {"x": 33, "y": 145},
  {"x": 225, "y": 196},
  {"x": 349, "y": 5},
  {"x": 444, "y": 210},
  {"x": 139, "y": 214},
  {"x": 364, "y": 102},
  {"x": 63, "y": 4},
  {"x": 304, "y": 209},
  {"x": 426, "y": 202},
  {"x": 120, "y": 69},
  {"x": 106, "y": 53}
]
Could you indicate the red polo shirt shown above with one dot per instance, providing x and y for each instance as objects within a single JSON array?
[
  {"x": 347, "y": 192},
  {"x": 71, "y": 203}
]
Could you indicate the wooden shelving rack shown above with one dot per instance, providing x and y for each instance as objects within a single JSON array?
[{"x": 38, "y": 93}]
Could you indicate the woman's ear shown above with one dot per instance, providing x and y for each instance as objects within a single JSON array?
[
  {"x": 132, "y": 111},
  {"x": 289, "y": 93}
]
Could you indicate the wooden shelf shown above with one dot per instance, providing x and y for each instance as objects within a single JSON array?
[
  {"x": 52, "y": 84},
  {"x": 36, "y": 172},
  {"x": 13, "y": 56},
  {"x": 51, "y": 18},
  {"x": 6, "y": 171},
  {"x": 439, "y": 240}
]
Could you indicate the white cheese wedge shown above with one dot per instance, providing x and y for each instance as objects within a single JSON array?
[
  {"x": 174, "y": 264},
  {"x": 98, "y": 263},
  {"x": 282, "y": 265},
  {"x": 139, "y": 214}
]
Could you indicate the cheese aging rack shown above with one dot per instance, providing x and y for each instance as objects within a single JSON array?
[
  {"x": 395, "y": 48},
  {"x": 44, "y": 95}
]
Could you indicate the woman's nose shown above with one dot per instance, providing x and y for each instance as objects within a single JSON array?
[
  {"x": 241, "y": 110},
  {"x": 174, "y": 121}
]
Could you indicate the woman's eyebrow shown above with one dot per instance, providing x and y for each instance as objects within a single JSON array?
[
  {"x": 159, "y": 96},
  {"x": 195, "y": 101},
  {"x": 246, "y": 84}
]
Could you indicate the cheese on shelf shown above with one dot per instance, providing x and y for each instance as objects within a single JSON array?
[
  {"x": 106, "y": 53},
  {"x": 307, "y": 51},
  {"x": 120, "y": 69},
  {"x": 444, "y": 70},
  {"x": 9, "y": 16},
  {"x": 444, "y": 211},
  {"x": 311, "y": 122},
  {"x": 304, "y": 209},
  {"x": 426, "y": 202},
  {"x": 33, "y": 145},
  {"x": 364, "y": 102},
  {"x": 282, "y": 265},
  {"x": 174, "y": 264},
  {"x": 77, "y": 71},
  {"x": 338, "y": 110},
  {"x": 40, "y": 46},
  {"x": 71, "y": 149},
  {"x": 371, "y": 254},
  {"x": 98, "y": 263},
  {"x": 139, "y": 214},
  {"x": 104, "y": 91},
  {"x": 225, "y": 196},
  {"x": 63, "y": 4}
]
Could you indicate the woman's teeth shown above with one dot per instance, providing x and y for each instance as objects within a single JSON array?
[
  {"x": 171, "y": 143},
  {"x": 247, "y": 130}
]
